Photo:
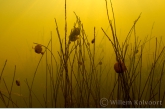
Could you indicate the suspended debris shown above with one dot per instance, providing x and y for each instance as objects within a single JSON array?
[{"x": 18, "y": 83}]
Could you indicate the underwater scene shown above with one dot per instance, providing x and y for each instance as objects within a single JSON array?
[{"x": 82, "y": 53}]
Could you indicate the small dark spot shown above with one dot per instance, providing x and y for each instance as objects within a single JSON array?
[
  {"x": 100, "y": 63},
  {"x": 18, "y": 83},
  {"x": 93, "y": 41}
]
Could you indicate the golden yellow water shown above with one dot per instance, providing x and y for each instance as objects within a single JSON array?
[{"x": 23, "y": 22}]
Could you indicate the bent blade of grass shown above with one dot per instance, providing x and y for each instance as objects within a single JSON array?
[{"x": 3, "y": 70}]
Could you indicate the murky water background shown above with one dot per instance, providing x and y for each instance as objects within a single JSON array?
[{"x": 24, "y": 22}]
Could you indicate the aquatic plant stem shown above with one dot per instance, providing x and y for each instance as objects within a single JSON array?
[
  {"x": 46, "y": 80},
  {"x": 51, "y": 73},
  {"x": 30, "y": 99},
  {"x": 66, "y": 59},
  {"x": 2, "y": 98},
  {"x": 11, "y": 87},
  {"x": 8, "y": 99},
  {"x": 33, "y": 93},
  {"x": 3, "y": 70}
]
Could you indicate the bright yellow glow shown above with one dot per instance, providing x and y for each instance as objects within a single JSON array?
[{"x": 26, "y": 21}]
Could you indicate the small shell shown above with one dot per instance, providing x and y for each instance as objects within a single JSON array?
[
  {"x": 73, "y": 38},
  {"x": 74, "y": 34},
  {"x": 18, "y": 83},
  {"x": 120, "y": 67},
  {"x": 76, "y": 31},
  {"x": 38, "y": 49}
]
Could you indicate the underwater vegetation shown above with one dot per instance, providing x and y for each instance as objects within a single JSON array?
[{"x": 74, "y": 77}]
